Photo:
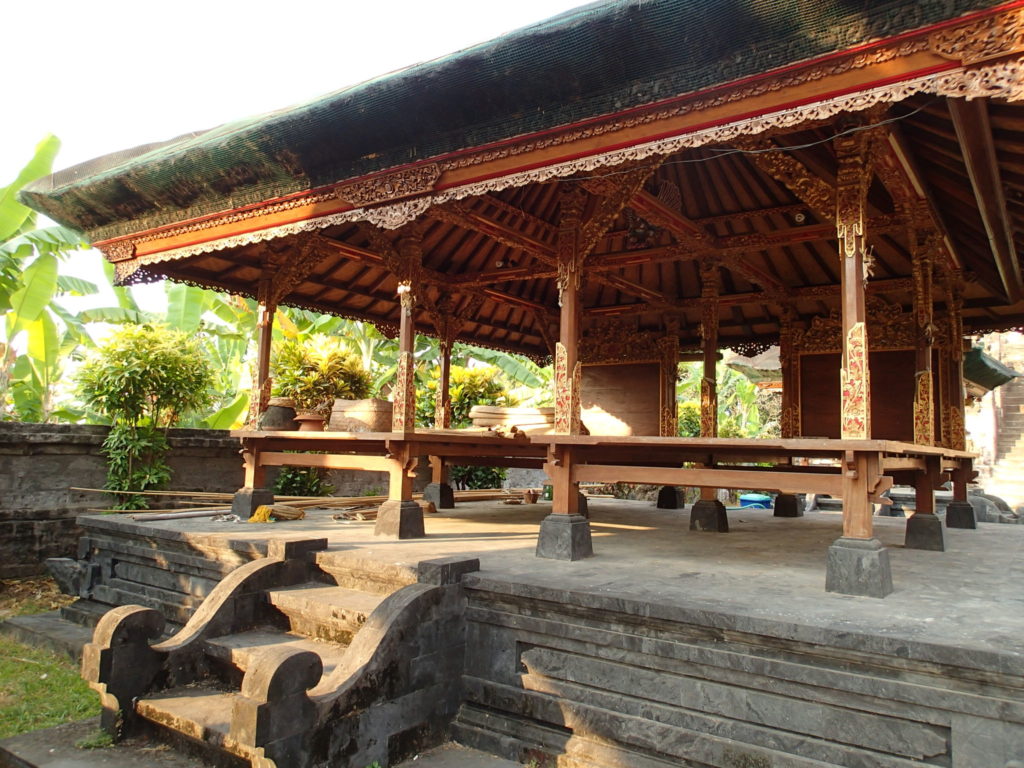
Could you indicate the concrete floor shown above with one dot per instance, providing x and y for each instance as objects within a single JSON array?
[{"x": 969, "y": 596}]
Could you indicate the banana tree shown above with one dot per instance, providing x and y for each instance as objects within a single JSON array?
[{"x": 39, "y": 334}]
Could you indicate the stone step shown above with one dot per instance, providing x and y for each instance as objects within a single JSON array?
[
  {"x": 243, "y": 649},
  {"x": 85, "y": 613},
  {"x": 365, "y": 574},
  {"x": 199, "y": 713},
  {"x": 324, "y": 612}
]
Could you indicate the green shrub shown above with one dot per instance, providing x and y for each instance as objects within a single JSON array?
[
  {"x": 468, "y": 387},
  {"x": 314, "y": 374},
  {"x": 143, "y": 380}
]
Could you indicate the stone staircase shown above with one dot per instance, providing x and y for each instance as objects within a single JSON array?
[
  {"x": 1007, "y": 480},
  {"x": 302, "y": 658}
]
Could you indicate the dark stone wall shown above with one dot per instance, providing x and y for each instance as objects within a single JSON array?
[
  {"x": 569, "y": 678},
  {"x": 39, "y": 463}
]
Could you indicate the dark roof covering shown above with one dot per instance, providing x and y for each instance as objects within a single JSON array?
[
  {"x": 986, "y": 371},
  {"x": 598, "y": 59}
]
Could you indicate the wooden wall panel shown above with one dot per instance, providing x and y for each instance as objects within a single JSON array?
[
  {"x": 621, "y": 399},
  {"x": 892, "y": 395}
]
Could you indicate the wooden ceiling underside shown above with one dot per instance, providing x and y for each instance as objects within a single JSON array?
[{"x": 764, "y": 215}]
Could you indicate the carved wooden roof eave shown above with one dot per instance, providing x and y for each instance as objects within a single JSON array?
[{"x": 985, "y": 74}]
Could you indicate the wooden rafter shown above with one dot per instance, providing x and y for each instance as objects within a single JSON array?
[
  {"x": 974, "y": 131},
  {"x": 898, "y": 173}
]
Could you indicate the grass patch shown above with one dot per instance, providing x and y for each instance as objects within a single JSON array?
[
  {"x": 98, "y": 739},
  {"x": 39, "y": 689}
]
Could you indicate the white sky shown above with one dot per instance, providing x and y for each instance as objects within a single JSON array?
[{"x": 106, "y": 75}]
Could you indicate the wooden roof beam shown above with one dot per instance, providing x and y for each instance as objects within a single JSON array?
[
  {"x": 461, "y": 214},
  {"x": 684, "y": 230},
  {"x": 806, "y": 186},
  {"x": 895, "y": 168},
  {"x": 974, "y": 131}
]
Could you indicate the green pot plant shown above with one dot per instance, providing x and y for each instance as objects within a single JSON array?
[{"x": 313, "y": 374}]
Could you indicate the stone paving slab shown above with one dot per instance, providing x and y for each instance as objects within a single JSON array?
[{"x": 55, "y": 748}]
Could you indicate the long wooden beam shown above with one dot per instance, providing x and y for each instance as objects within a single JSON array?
[
  {"x": 784, "y": 482},
  {"x": 974, "y": 132}
]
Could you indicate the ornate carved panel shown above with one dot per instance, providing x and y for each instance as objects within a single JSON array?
[
  {"x": 567, "y": 394},
  {"x": 403, "y": 396},
  {"x": 987, "y": 38},
  {"x": 924, "y": 409},
  {"x": 856, "y": 386},
  {"x": 391, "y": 186}
]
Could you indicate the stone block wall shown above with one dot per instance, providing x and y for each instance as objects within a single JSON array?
[
  {"x": 39, "y": 463},
  {"x": 567, "y": 678}
]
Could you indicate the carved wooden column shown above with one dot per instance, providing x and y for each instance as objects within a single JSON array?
[
  {"x": 857, "y": 563},
  {"x": 670, "y": 496},
  {"x": 570, "y": 265},
  {"x": 855, "y": 377},
  {"x": 565, "y": 533},
  {"x": 400, "y": 516},
  {"x": 787, "y": 504},
  {"x": 790, "y": 418},
  {"x": 443, "y": 400},
  {"x": 265, "y": 309},
  {"x": 439, "y": 491},
  {"x": 955, "y": 405},
  {"x": 924, "y": 381},
  {"x": 924, "y": 529},
  {"x": 709, "y": 513}
]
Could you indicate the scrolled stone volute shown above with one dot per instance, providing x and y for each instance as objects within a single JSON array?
[
  {"x": 120, "y": 662},
  {"x": 273, "y": 714}
]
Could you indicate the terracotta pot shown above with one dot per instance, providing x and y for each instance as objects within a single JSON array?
[{"x": 309, "y": 421}]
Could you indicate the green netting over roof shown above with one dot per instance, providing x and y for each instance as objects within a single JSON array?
[
  {"x": 986, "y": 371},
  {"x": 598, "y": 59}
]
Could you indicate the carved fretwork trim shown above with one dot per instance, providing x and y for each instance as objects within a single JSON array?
[
  {"x": 391, "y": 186},
  {"x": 999, "y": 79}
]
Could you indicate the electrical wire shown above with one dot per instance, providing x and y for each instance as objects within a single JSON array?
[{"x": 726, "y": 151}]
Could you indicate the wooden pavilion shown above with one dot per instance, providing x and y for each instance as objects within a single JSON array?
[{"x": 626, "y": 184}]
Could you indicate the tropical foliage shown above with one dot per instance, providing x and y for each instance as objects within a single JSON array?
[
  {"x": 143, "y": 380},
  {"x": 743, "y": 410},
  {"x": 39, "y": 334},
  {"x": 482, "y": 385},
  {"x": 315, "y": 372}
]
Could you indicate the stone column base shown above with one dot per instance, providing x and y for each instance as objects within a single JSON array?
[
  {"x": 925, "y": 532},
  {"x": 670, "y": 497},
  {"x": 787, "y": 505},
  {"x": 246, "y": 500},
  {"x": 440, "y": 494},
  {"x": 564, "y": 537},
  {"x": 858, "y": 567},
  {"x": 399, "y": 520},
  {"x": 582, "y": 509},
  {"x": 960, "y": 514},
  {"x": 709, "y": 515}
]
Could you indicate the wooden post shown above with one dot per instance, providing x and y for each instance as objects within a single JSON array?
[
  {"x": 857, "y": 563},
  {"x": 565, "y": 533},
  {"x": 567, "y": 368},
  {"x": 855, "y": 378},
  {"x": 924, "y": 381},
  {"x": 790, "y": 361},
  {"x": 709, "y": 277},
  {"x": 955, "y": 373},
  {"x": 669, "y": 345},
  {"x": 709, "y": 514},
  {"x": 443, "y": 399},
  {"x": 265, "y": 309},
  {"x": 924, "y": 529},
  {"x": 403, "y": 396}
]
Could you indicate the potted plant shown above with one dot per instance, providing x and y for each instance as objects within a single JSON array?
[{"x": 313, "y": 375}]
